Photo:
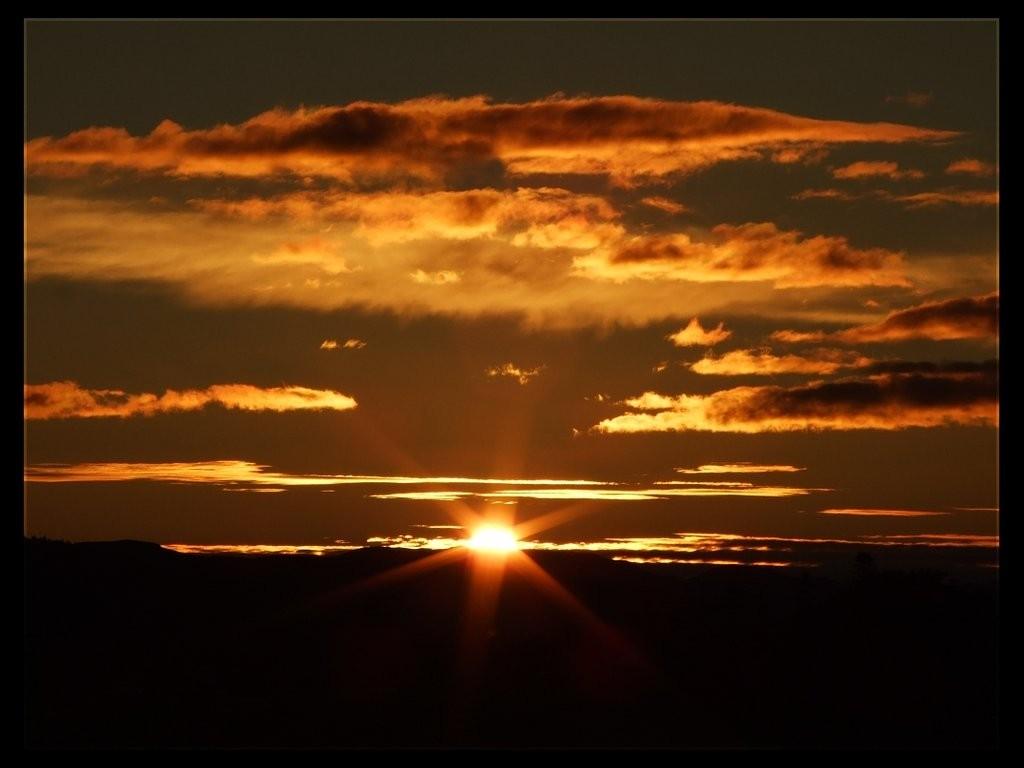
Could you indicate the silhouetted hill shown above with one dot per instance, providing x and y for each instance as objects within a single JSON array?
[{"x": 131, "y": 645}]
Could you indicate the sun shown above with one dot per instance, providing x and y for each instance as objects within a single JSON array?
[{"x": 493, "y": 539}]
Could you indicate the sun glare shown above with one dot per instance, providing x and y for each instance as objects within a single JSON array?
[{"x": 493, "y": 538}]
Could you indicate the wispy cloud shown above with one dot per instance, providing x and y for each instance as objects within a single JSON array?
[
  {"x": 739, "y": 467},
  {"x": 869, "y": 169},
  {"x": 347, "y": 344},
  {"x": 860, "y": 512},
  {"x": 764, "y": 363},
  {"x": 513, "y": 371},
  {"x": 664, "y": 204},
  {"x": 916, "y": 200},
  {"x": 622, "y": 492},
  {"x": 969, "y": 197},
  {"x": 747, "y": 253},
  {"x": 235, "y": 472},
  {"x": 260, "y": 549},
  {"x": 68, "y": 400},
  {"x": 544, "y": 217}
]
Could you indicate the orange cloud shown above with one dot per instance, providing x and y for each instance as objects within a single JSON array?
[
  {"x": 826, "y": 194},
  {"x": 694, "y": 335},
  {"x": 885, "y": 401},
  {"x": 664, "y": 204},
  {"x": 797, "y": 337},
  {"x": 972, "y": 317},
  {"x": 348, "y": 344},
  {"x": 626, "y": 137},
  {"x": 612, "y": 494},
  {"x": 545, "y": 217},
  {"x": 522, "y": 375},
  {"x": 970, "y": 197},
  {"x": 749, "y": 252},
  {"x": 441, "y": 277},
  {"x": 965, "y": 197},
  {"x": 858, "y": 512},
  {"x": 233, "y": 472},
  {"x": 971, "y": 166},
  {"x": 739, "y": 467},
  {"x": 868, "y": 169},
  {"x": 260, "y": 549},
  {"x": 807, "y": 154},
  {"x": 975, "y": 317},
  {"x": 68, "y": 400},
  {"x": 763, "y": 363}
]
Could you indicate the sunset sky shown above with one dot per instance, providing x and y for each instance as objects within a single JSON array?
[{"x": 680, "y": 286}]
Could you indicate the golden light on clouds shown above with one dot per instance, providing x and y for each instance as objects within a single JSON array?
[
  {"x": 886, "y": 401},
  {"x": 232, "y": 472},
  {"x": 882, "y": 512},
  {"x": 628, "y": 138},
  {"x": 739, "y": 467},
  {"x": 694, "y": 335},
  {"x": 513, "y": 371},
  {"x": 68, "y": 400},
  {"x": 749, "y": 362}
]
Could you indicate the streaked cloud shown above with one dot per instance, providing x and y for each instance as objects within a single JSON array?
[
  {"x": 884, "y": 402},
  {"x": 763, "y": 363},
  {"x": 970, "y": 197},
  {"x": 665, "y": 490},
  {"x": 627, "y": 138},
  {"x": 869, "y": 169},
  {"x": 858, "y": 512},
  {"x": 827, "y": 194},
  {"x": 329, "y": 344},
  {"x": 739, "y": 467},
  {"x": 706, "y": 548},
  {"x": 68, "y": 400},
  {"x": 513, "y": 371},
  {"x": 423, "y": 495},
  {"x": 747, "y": 253},
  {"x": 688, "y": 561},
  {"x": 235, "y": 472},
  {"x": 544, "y": 217},
  {"x": 694, "y": 335},
  {"x": 916, "y": 200},
  {"x": 260, "y": 549}
]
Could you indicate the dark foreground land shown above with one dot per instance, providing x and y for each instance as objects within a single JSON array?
[{"x": 129, "y": 645}]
